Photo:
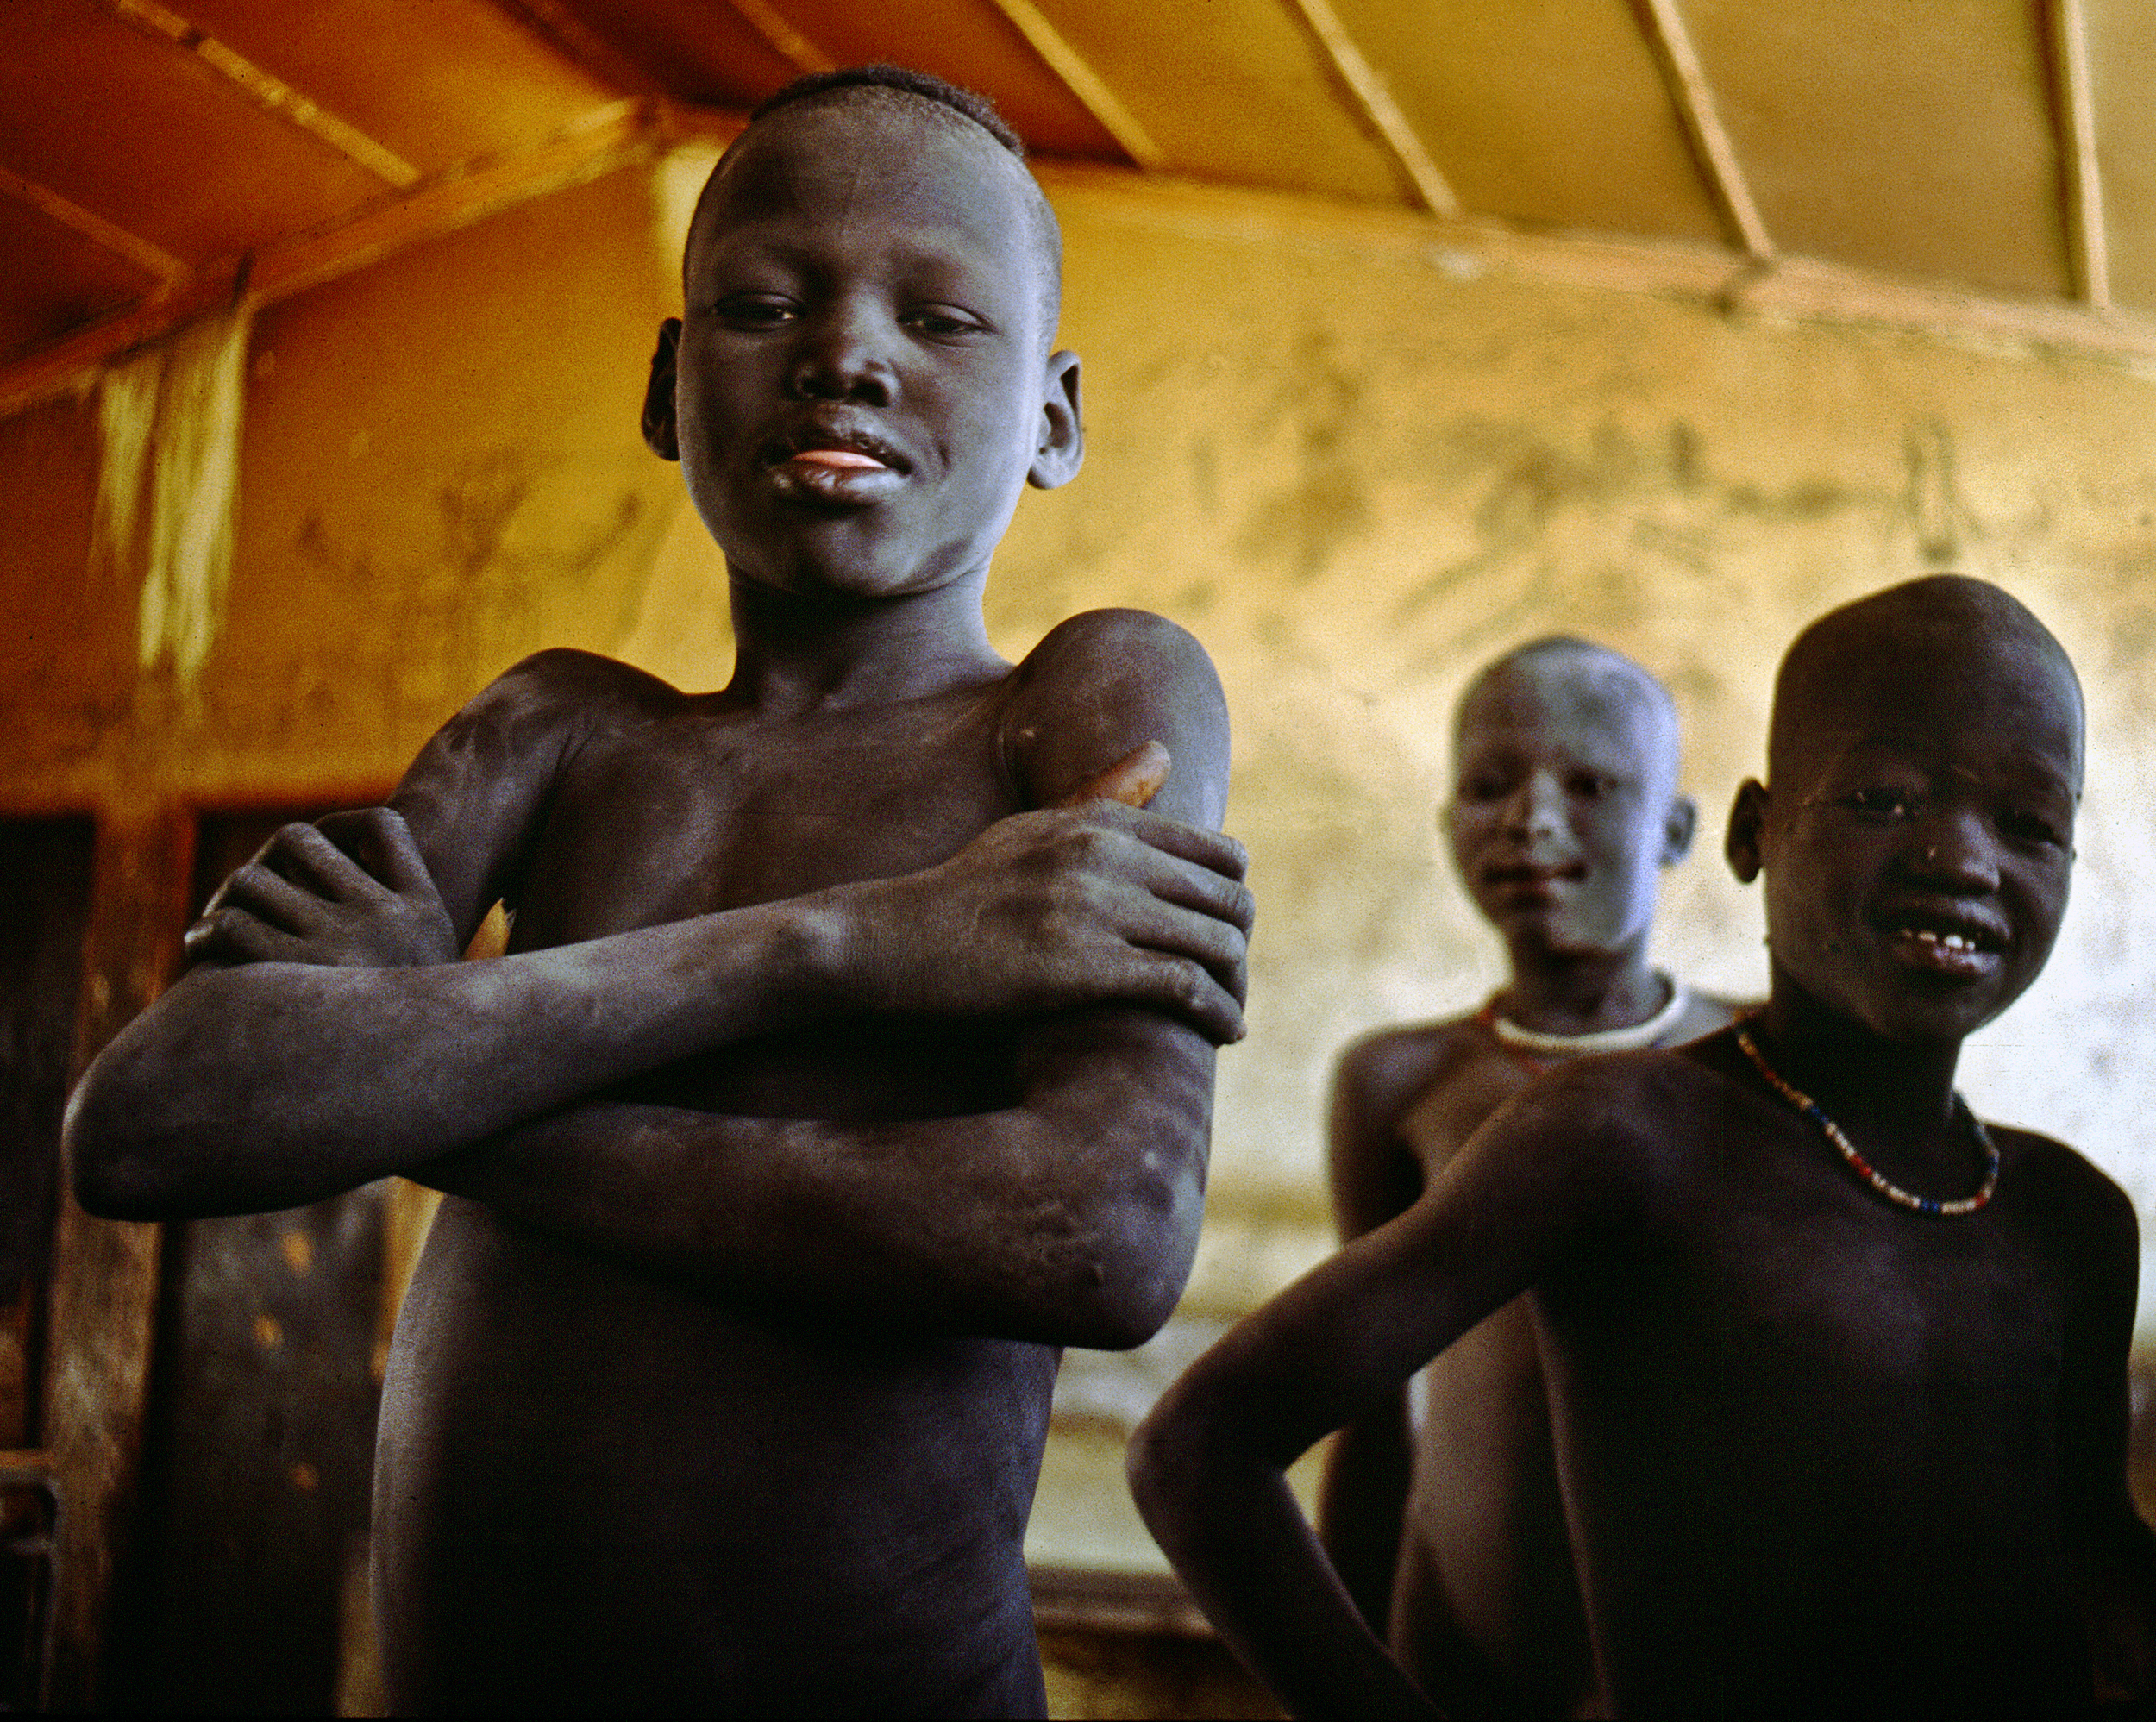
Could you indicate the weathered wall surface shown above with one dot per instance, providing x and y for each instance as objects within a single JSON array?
[{"x": 1354, "y": 461}]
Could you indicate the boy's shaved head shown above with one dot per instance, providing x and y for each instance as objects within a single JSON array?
[
  {"x": 1891, "y": 647},
  {"x": 901, "y": 91},
  {"x": 1584, "y": 658}
]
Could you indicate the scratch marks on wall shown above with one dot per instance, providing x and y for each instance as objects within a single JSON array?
[
  {"x": 513, "y": 541},
  {"x": 1304, "y": 523},
  {"x": 169, "y": 429}
]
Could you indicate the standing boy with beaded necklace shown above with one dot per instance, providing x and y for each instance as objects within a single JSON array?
[
  {"x": 1841, "y": 1416},
  {"x": 1566, "y": 809}
]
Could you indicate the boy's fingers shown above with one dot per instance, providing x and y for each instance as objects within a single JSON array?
[
  {"x": 258, "y": 891},
  {"x": 311, "y": 860},
  {"x": 386, "y": 847},
  {"x": 1189, "y": 990},
  {"x": 233, "y": 935},
  {"x": 1134, "y": 779}
]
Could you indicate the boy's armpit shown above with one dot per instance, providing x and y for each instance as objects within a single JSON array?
[{"x": 1103, "y": 683}]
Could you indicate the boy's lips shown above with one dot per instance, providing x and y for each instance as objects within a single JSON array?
[
  {"x": 1956, "y": 944},
  {"x": 844, "y": 467}
]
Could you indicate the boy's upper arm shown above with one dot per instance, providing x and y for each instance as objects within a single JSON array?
[
  {"x": 1109, "y": 680},
  {"x": 476, "y": 793},
  {"x": 1562, "y": 1164},
  {"x": 1373, "y": 1175}
]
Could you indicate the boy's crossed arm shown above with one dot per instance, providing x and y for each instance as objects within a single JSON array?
[
  {"x": 1069, "y": 1218},
  {"x": 283, "y": 1080}
]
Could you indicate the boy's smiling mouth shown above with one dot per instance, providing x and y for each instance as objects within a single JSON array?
[{"x": 1959, "y": 946}]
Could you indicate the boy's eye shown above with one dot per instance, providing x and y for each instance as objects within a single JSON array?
[
  {"x": 942, "y": 322},
  {"x": 1882, "y": 803},
  {"x": 754, "y": 310},
  {"x": 1484, "y": 787},
  {"x": 2025, "y": 826},
  {"x": 1586, "y": 786}
]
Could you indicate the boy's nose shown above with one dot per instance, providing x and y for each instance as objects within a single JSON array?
[
  {"x": 1536, "y": 808},
  {"x": 840, "y": 359},
  {"x": 1954, "y": 848}
]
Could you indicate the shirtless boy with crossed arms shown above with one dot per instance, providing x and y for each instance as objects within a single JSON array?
[
  {"x": 1565, "y": 808},
  {"x": 1837, "y": 1376},
  {"x": 774, "y": 1181}
]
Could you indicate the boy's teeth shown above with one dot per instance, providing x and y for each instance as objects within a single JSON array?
[{"x": 1952, "y": 941}]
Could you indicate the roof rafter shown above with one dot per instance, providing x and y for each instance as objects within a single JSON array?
[
  {"x": 2074, "y": 120},
  {"x": 608, "y": 138},
  {"x": 778, "y": 31},
  {"x": 584, "y": 47},
  {"x": 1082, "y": 81},
  {"x": 1692, "y": 96},
  {"x": 271, "y": 94},
  {"x": 151, "y": 259},
  {"x": 1377, "y": 108}
]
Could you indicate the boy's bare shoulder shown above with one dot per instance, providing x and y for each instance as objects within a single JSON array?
[
  {"x": 565, "y": 680},
  {"x": 1383, "y": 1070},
  {"x": 2074, "y": 1187},
  {"x": 1105, "y": 681},
  {"x": 1130, "y": 653}
]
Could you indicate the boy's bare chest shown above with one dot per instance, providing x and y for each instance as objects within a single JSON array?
[
  {"x": 1788, "y": 1274},
  {"x": 707, "y": 812}
]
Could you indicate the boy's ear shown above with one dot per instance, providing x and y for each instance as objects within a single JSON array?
[
  {"x": 659, "y": 430},
  {"x": 1679, "y": 826},
  {"x": 1062, "y": 448},
  {"x": 1745, "y": 845}
]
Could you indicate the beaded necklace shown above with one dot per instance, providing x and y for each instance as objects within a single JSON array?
[
  {"x": 1536, "y": 1052},
  {"x": 1863, "y": 1168}
]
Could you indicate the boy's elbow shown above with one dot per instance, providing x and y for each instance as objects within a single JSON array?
[
  {"x": 110, "y": 1169},
  {"x": 1144, "y": 1236}
]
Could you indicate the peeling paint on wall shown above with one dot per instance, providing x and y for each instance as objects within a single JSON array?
[{"x": 169, "y": 425}]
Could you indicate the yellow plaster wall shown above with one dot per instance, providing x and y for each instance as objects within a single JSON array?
[{"x": 1355, "y": 460}]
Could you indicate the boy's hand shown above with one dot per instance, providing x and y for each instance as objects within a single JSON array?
[
  {"x": 350, "y": 892},
  {"x": 1089, "y": 902}
]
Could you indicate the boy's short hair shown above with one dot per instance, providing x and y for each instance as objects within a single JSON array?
[
  {"x": 1945, "y": 616},
  {"x": 896, "y": 87}
]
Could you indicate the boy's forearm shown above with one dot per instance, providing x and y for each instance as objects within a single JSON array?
[
  {"x": 273, "y": 1084},
  {"x": 1232, "y": 1527},
  {"x": 1362, "y": 1504},
  {"x": 1069, "y": 1219}
]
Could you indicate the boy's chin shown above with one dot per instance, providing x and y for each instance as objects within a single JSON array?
[{"x": 1936, "y": 1017}]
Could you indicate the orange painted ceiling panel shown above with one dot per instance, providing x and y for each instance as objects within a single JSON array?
[
  {"x": 1549, "y": 112},
  {"x": 1232, "y": 89},
  {"x": 438, "y": 83},
  {"x": 140, "y": 131},
  {"x": 970, "y": 43},
  {"x": 57, "y": 279},
  {"x": 1913, "y": 139}
]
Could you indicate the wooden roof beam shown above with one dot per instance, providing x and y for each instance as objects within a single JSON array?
[
  {"x": 2073, "y": 118},
  {"x": 1694, "y": 99},
  {"x": 151, "y": 259},
  {"x": 584, "y": 47},
  {"x": 610, "y": 137},
  {"x": 271, "y": 94},
  {"x": 1078, "y": 77},
  {"x": 780, "y": 36},
  {"x": 1376, "y": 107}
]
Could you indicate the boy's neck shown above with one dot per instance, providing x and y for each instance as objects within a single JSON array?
[
  {"x": 1581, "y": 994},
  {"x": 794, "y": 654},
  {"x": 1893, "y": 1098}
]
